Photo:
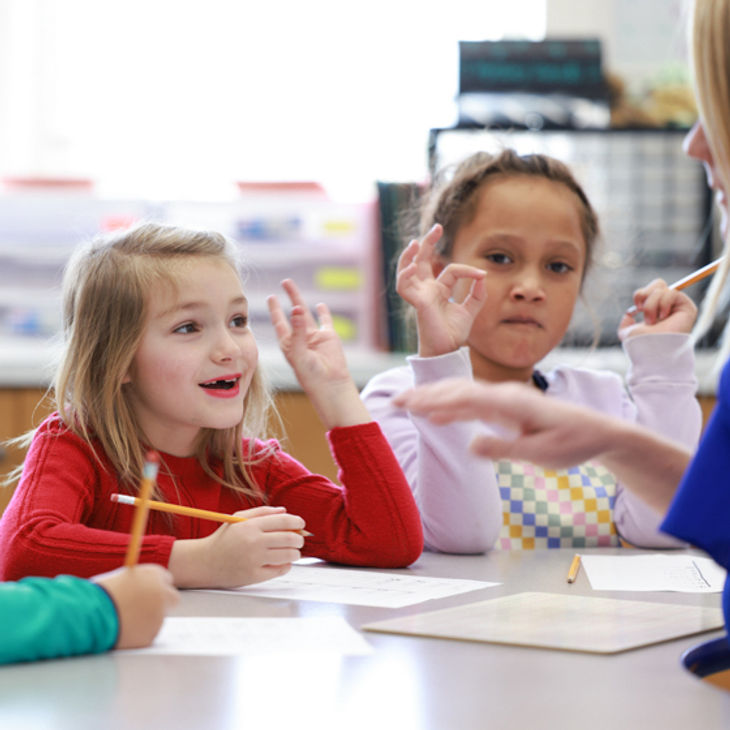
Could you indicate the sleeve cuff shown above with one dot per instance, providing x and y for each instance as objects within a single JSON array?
[
  {"x": 665, "y": 356},
  {"x": 454, "y": 364}
]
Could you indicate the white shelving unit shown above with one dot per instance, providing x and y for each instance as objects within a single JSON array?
[{"x": 329, "y": 248}]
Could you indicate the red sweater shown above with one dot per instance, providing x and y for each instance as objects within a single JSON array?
[{"x": 61, "y": 518}]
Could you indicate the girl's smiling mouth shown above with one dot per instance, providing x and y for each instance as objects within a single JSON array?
[{"x": 225, "y": 387}]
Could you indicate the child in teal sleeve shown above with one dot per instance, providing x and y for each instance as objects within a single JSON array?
[{"x": 42, "y": 618}]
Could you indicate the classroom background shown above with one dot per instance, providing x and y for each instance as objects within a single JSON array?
[{"x": 305, "y": 131}]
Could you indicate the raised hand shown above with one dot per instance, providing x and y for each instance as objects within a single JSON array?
[
  {"x": 664, "y": 310},
  {"x": 445, "y": 305},
  {"x": 315, "y": 353},
  {"x": 313, "y": 349}
]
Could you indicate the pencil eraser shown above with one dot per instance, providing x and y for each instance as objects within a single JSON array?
[
  {"x": 122, "y": 498},
  {"x": 152, "y": 456}
]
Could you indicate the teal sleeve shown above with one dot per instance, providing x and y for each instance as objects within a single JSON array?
[{"x": 42, "y": 618}]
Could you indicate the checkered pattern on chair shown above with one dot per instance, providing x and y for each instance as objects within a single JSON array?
[{"x": 543, "y": 508}]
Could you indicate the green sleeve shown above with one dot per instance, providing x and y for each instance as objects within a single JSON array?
[{"x": 41, "y": 618}]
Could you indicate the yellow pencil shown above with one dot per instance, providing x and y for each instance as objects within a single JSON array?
[
  {"x": 179, "y": 509},
  {"x": 690, "y": 279},
  {"x": 574, "y": 568},
  {"x": 149, "y": 474}
]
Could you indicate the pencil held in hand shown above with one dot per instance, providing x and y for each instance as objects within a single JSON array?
[
  {"x": 688, "y": 280},
  {"x": 179, "y": 509},
  {"x": 149, "y": 475}
]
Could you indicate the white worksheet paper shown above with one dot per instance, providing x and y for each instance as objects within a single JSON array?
[
  {"x": 655, "y": 572},
  {"x": 359, "y": 587},
  {"x": 218, "y": 636}
]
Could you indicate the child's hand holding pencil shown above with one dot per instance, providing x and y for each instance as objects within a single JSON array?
[
  {"x": 688, "y": 280},
  {"x": 179, "y": 509},
  {"x": 261, "y": 546},
  {"x": 665, "y": 310},
  {"x": 250, "y": 546}
]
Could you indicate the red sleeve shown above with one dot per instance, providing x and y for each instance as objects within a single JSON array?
[
  {"x": 61, "y": 519},
  {"x": 371, "y": 521}
]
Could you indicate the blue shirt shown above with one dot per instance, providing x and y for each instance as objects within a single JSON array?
[{"x": 700, "y": 510}]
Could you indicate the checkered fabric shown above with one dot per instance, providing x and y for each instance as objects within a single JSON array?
[{"x": 542, "y": 508}]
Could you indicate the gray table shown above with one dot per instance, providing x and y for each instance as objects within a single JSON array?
[{"x": 407, "y": 683}]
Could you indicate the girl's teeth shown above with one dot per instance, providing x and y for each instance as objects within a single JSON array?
[{"x": 224, "y": 384}]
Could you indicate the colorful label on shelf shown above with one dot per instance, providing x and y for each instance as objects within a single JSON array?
[
  {"x": 338, "y": 278},
  {"x": 345, "y": 327}
]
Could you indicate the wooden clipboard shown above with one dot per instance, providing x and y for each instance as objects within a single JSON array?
[{"x": 559, "y": 621}]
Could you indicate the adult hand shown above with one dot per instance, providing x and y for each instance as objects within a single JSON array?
[{"x": 547, "y": 432}]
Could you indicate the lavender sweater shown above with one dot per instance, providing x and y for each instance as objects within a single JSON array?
[{"x": 457, "y": 493}]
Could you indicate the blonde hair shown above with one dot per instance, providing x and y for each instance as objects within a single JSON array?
[
  {"x": 710, "y": 60},
  {"x": 104, "y": 314}
]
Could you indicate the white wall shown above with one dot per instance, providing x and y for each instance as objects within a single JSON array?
[
  {"x": 170, "y": 97},
  {"x": 643, "y": 40}
]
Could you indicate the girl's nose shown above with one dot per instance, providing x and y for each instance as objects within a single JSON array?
[
  {"x": 528, "y": 287},
  {"x": 225, "y": 347}
]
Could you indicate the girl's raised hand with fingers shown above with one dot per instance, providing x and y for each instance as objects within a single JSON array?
[
  {"x": 664, "y": 310},
  {"x": 312, "y": 348},
  {"x": 445, "y": 308},
  {"x": 315, "y": 353}
]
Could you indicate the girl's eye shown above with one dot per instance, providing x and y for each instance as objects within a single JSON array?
[
  {"x": 560, "y": 267},
  {"x": 186, "y": 329},
  {"x": 499, "y": 258},
  {"x": 240, "y": 321}
]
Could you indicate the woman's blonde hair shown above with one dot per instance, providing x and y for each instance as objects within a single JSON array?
[
  {"x": 710, "y": 60},
  {"x": 104, "y": 314}
]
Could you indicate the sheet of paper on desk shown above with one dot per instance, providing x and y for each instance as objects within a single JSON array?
[
  {"x": 205, "y": 636},
  {"x": 559, "y": 621},
  {"x": 359, "y": 587},
  {"x": 655, "y": 572}
]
